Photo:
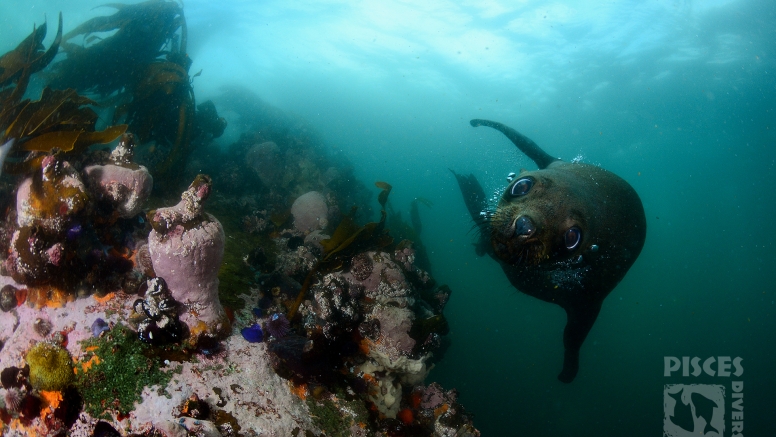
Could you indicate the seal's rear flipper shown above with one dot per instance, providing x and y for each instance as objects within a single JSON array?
[
  {"x": 580, "y": 320},
  {"x": 525, "y": 144},
  {"x": 474, "y": 198}
]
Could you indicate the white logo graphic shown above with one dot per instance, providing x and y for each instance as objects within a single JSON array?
[{"x": 693, "y": 410}]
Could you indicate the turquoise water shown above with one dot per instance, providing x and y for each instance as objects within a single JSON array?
[{"x": 675, "y": 97}]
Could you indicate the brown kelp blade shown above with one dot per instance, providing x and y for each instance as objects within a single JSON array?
[
  {"x": 56, "y": 109},
  {"x": 29, "y": 54},
  {"x": 68, "y": 141},
  {"x": 19, "y": 64},
  {"x": 62, "y": 140},
  {"x": 344, "y": 231},
  {"x": 383, "y": 196}
]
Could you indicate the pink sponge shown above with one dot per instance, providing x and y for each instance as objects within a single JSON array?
[
  {"x": 125, "y": 188},
  {"x": 187, "y": 247},
  {"x": 122, "y": 182},
  {"x": 310, "y": 212}
]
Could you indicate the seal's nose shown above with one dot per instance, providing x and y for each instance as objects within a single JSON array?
[{"x": 524, "y": 227}]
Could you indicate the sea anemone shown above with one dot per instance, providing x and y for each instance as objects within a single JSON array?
[
  {"x": 278, "y": 325},
  {"x": 253, "y": 333},
  {"x": 13, "y": 399}
]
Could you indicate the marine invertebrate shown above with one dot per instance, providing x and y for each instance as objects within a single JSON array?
[
  {"x": 143, "y": 262},
  {"x": 278, "y": 325},
  {"x": 187, "y": 247},
  {"x": 99, "y": 326},
  {"x": 8, "y": 298},
  {"x": 310, "y": 212},
  {"x": 406, "y": 416},
  {"x": 122, "y": 183},
  {"x": 13, "y": 399},
  {"x": 42, "y": 326},
  {"x": 253, "y": 333},
  {"x": 156, "y": 316},
  {"x": 51, "y": 367}
]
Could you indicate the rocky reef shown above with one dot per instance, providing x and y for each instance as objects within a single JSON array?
[{"x": 257, "y": 300}]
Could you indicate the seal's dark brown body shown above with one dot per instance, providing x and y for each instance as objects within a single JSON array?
[{"x": 566, "y": 234}]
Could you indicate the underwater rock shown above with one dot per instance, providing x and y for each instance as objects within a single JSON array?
[
  {"x": 373, "y": 300},
  {"x": 187, "y": 247},
  {"x": 405, "y": 257},
  {"x": 439, "y": 412},
  {"x": 313, "y": 239},
  {"x": 386, "y": 283},
  {"x": 361, "y": 266},
  {"x": 32, "y": 258},
  {"x": 123, "y": 183},
  {"x": 47, "y": 203},
  {"x": 395, "y": 324},
  {"x": 267, "y": 161},
  {"x": 188, "y": 426},
  {"x": 310, "y": 212}
]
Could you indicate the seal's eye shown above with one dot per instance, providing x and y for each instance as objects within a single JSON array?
[
  {"x": 521, "y": 187},
  {"x": 572, "y": 238}
]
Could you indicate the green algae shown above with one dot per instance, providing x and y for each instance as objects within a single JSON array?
[
  {"x": 337, "y": 417},
  {"x": 115, "y": 369},
  {"x": 236, "y": 276}
]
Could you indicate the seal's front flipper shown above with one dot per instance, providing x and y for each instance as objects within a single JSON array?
[
  {"x": 580, "y": 319},
  {"x": 474, "y": 198}
]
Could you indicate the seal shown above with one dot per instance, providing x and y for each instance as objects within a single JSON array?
[{"x": 566, "y": 233}]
